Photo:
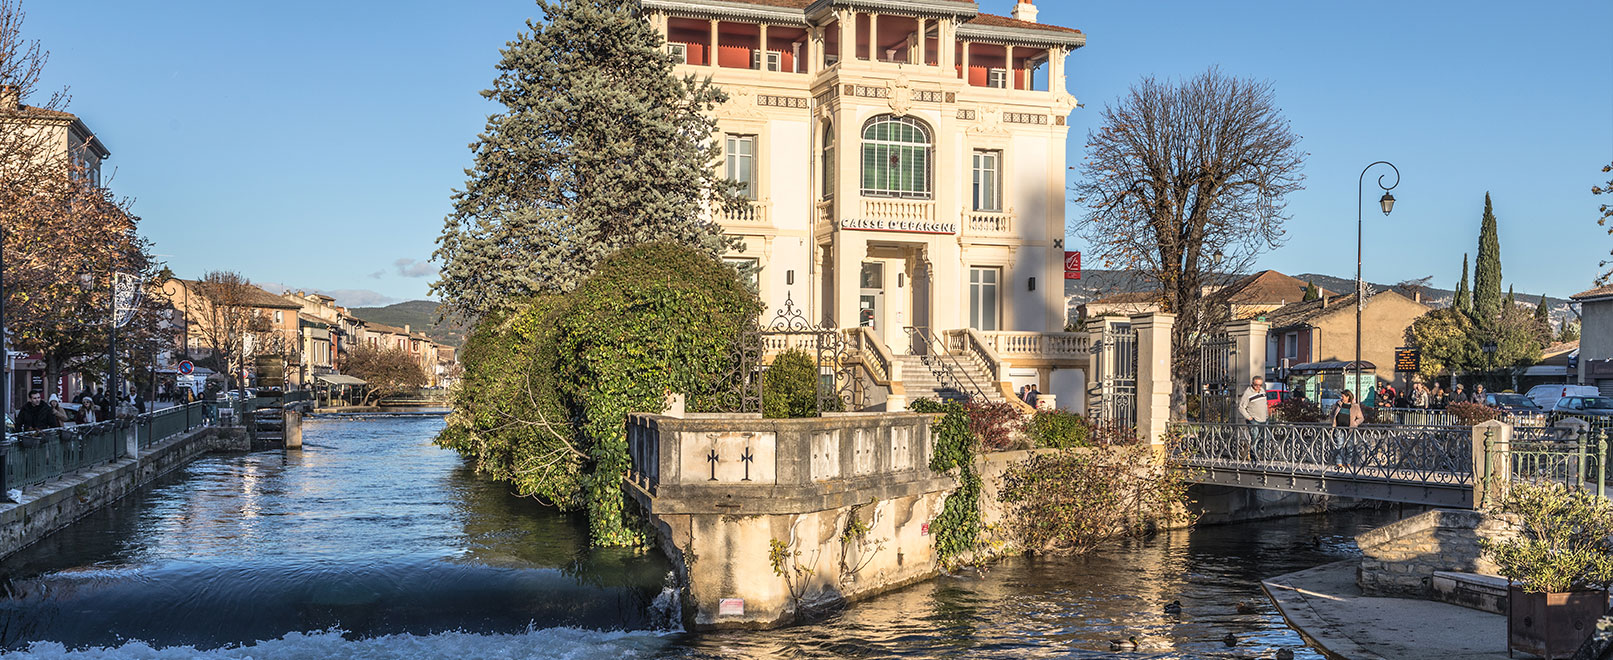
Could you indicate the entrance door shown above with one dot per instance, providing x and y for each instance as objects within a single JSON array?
[{"x": 871, "y": 298}]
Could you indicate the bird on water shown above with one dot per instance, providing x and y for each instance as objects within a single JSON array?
[
  {"x": 1127, "y": 644},
  {"x": 1174, "y": 608}
]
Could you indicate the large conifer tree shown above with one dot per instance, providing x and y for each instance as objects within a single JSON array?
[
  {"x": 1464, "y": 297},
  {"x": 1487, "y": 270},
  {"x": 599, "y": 147},
  {"x": 1542, "y": 312}
]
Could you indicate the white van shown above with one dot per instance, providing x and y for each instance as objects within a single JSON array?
[{"x": 1547, "y": 395}]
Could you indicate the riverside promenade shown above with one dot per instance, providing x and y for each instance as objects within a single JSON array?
[{"x": 1325, "y": 605}]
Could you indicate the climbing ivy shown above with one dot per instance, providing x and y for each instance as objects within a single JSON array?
[{"x": 957, "y": 529}]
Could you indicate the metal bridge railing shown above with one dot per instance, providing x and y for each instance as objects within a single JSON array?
[
  {"x": 36, "y": 457},
  {"x": 1426, "y": 454}
]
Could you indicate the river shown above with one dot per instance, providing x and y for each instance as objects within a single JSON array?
[{"x": 373, "y": 544}]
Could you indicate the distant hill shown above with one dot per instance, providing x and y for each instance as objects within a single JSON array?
[{"x": 419, "y": 315}]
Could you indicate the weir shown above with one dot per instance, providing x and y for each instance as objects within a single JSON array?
[{"x": 766, "y": 519}]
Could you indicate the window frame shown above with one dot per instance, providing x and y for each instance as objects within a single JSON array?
[
  {"x": 882, "y": 180},
  {"x": 750, "y": 190},
  {"x": 997, "y": 78},
  {"x": 977, "y": 306},
  {"x": 996, "y": 172}
]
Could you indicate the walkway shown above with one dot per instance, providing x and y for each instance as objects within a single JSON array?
[{"x": 1325, "y": 606}]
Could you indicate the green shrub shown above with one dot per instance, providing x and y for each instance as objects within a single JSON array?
[
  {"x": 554, "y": 382},
  {"x": 790, "y": 387},
  {"x": 1563, "y": 539},
  {"x": 1057, "y": 429}
]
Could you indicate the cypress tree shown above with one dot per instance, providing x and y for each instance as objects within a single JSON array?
[
  {"x": 1464, "y": 297},
  {"x": 1512, "y": 298},
  {"x": 1542, "y": 312},
  {"x": 599, "y": 146},
  {"x": 1312, "y": 292},
  {"x": 1487, "y": 270}
]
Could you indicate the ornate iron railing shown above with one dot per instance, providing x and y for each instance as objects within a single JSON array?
[
  {"x": 1424, "y": 454},
  {"x": 943, "y": 365},
  {"x": 1115, "y": 406}
]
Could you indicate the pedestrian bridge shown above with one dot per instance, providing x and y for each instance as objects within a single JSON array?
[{"x": 1425, "y": 465}]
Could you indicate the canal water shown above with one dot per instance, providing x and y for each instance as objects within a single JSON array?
[{"x": 373, "y": 544}]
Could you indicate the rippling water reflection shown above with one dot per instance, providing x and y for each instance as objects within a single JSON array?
[{"x": 371, "y": 543}]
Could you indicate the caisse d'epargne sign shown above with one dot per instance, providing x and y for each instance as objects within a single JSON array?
[{"x": 910, "y": 226}]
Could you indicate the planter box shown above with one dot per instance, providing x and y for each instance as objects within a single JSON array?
[{"x": 1552, "y": 625}]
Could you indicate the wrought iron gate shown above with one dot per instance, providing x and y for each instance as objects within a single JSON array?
[
  {"x": 1116, "y": 405},
  {"x": 1215, "y": 381},
  {"x": 790, "y": 329}
]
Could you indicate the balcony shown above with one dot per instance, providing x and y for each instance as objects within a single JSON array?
[
  {"x": 898, "y": 210},
  {"x": 1059, "y": 347},
  {"x": 750, "y": 213},
  {"x": 988, "y": 223}
]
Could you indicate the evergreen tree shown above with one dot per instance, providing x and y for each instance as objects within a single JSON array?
[
  {"x": 1512, "y": 297},
  {"x": 1542, "y": 312},
  {"x": 1570, "y": 332},
  {"x": 1487, "y": 270},
  {"x": 1312, "y": 292},
  {"x": 599, "y": 147},
  {"x": 1464, "y": 297}
]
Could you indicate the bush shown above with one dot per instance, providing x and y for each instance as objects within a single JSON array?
[
  {"x": 1563, "y": 539},
  {"x": 991, "y": 424},
  {"x": 1056, "y": 429},
  {"x": 790, "y": 386},
  {"x": 547, "y": 390},
  {"x": 1073, "y": 501},
  {"x": 1297, "y": 411},
  {"x": 1472, "y": 414}
]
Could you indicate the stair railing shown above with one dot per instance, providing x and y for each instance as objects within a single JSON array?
[{"x": 948, "y": 371}]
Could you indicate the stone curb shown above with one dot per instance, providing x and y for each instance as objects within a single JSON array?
[{"x": 1295, "y": 606}]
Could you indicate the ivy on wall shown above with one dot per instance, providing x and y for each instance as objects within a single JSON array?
[{"x": 957, "y": 529}]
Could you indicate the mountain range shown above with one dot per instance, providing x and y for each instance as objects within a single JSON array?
[{"x": 419, "y": 315}]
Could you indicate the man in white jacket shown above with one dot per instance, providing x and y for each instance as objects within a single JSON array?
[{"x": 1251, "y": 404}]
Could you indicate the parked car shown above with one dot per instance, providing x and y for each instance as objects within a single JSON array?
[
  {"x": 1516, "y": 404},
  {"x": 1546, "y": 396},
  {"x": 1277, "y": 393},
  {"x": 1585, "y": 406}
]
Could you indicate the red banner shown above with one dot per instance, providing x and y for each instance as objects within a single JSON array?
[{"x": 1072, "y": 265}]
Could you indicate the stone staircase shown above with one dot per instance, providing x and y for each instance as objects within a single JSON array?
[{"x": 922, "y": 383}]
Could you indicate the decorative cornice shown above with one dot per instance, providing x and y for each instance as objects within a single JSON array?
[
  {"x": 1021, "y": 36},
  {"x": 722, "y": 9},
  {"x": 819, "y": 9}
]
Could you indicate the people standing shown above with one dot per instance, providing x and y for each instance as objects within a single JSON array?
[
  {"x": 1420, "y": 397},
  {"x": 1032, "y": 396},
  {"x": 1347, "y": 414},
  {"x": 35, "y": 415},
  {"x": 1460, "y": 395},
  {"x": 1440, "y": 398},
  {"x": 1478, "y": 395},
  {"x": 1251, "y": 404}
]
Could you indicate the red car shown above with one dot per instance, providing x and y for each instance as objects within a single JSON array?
[{"x": 1276, "y": 394}]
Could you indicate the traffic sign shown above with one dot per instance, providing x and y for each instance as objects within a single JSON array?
[{"x": 186, "y": 368}]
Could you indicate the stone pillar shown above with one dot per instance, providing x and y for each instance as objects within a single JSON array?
[
  {"x": 712, "y": 55},
  {"x": 1153, "y": 374},
  {"x": 130, "y": 437},
  {"x": 1249, "y": 339},
  {"x": 761, "y": 48},
  {"x": 946, "y": 46},
  {"x": 1492, "y": 462},
  {"x": 292, "y": 418}
]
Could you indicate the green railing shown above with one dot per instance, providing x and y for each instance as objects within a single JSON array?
[
  {"x": 38, "y": 456},
  {"x": 1576, "y": 460}
]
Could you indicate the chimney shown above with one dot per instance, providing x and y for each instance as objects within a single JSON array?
[
  {"x": 1025, "y": 11},
  {"x": 10, "y": 97},
  {"x": 1324, "y": 302},
  {"x": 406, "y": 329}
]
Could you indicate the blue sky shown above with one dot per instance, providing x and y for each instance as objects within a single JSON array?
[{"x": 316, "y": 143}]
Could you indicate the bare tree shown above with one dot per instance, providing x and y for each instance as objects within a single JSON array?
[
  {"x": 1185, "y": 181},
  {"x": 226, "y": 318},
  {"x": 387, "y": 371}
]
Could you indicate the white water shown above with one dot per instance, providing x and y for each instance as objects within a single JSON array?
[{"x": 545, "y": 644}]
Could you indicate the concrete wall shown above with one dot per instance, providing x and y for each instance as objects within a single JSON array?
[
  {"x": 1400, "y": 559},
  {"x": 761, "y": 516},
  {"x": 1595, "y": 338},
  {"x": 56, "y": 504},
  {"x": 1383, "y": 329}
]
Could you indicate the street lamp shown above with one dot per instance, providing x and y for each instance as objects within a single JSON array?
[{"x": 1387, "y": 203}]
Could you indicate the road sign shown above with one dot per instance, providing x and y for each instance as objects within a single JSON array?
[
  {"x": 186, "y": 368},
  {"x": 1408, "y": 360},
  {"x": 1072, "y": 265}
]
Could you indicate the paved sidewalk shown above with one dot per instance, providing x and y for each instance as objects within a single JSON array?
[{"x": 1324, "y": 605}]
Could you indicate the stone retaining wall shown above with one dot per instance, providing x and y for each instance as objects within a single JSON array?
[
  {"x": 57, "y": 503},
  {"x": 1400, "y": 559}
]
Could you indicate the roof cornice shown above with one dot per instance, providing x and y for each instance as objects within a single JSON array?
[
  {"x": 1022, "y": 36},
  {"x": 721, "y": 9},
  {"x": 965, "y": 10}
]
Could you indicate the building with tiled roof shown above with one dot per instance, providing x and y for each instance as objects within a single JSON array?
[
  {"x": 61, "y": 135},
  {"x": 1596, "y": 337},
  {"x": 1323, "y": 330}
]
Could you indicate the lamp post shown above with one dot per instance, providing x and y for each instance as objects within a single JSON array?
[{"x": 1387, "y": 203}]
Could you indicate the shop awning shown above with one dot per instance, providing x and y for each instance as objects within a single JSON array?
[{"x": 339, "y": 379}]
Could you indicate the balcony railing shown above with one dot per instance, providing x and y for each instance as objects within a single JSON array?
[
  {"x": 751, "y": 213},
  {"x": 1051, "y": 345},
  {"x": 901, "y": 210},
  {"x": 987, "y": 222}
]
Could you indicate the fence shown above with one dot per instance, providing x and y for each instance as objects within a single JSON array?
[
  {"x": 38, "y": 456},
  {"x": 1559, "y": 455},
  {"x": 1426, "y": 454}
]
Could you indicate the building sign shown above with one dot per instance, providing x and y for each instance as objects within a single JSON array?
[
  {"x": 1072, "y": 265},
  {"x": 911, "y": 226},
  {"x": 1408, "y": 360}
]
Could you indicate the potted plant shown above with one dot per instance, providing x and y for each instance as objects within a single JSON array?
[{"x": 1560, "y": 564}]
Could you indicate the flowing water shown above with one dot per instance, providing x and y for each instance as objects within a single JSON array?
[{"x": 373, "y": 544}]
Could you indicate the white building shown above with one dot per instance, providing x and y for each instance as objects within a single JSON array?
[{"x": 905, "y": 158}]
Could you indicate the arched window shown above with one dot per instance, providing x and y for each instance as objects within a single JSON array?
[
  {"x": 896, "y": 157},
  {"x": 828, "y": 163}
]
